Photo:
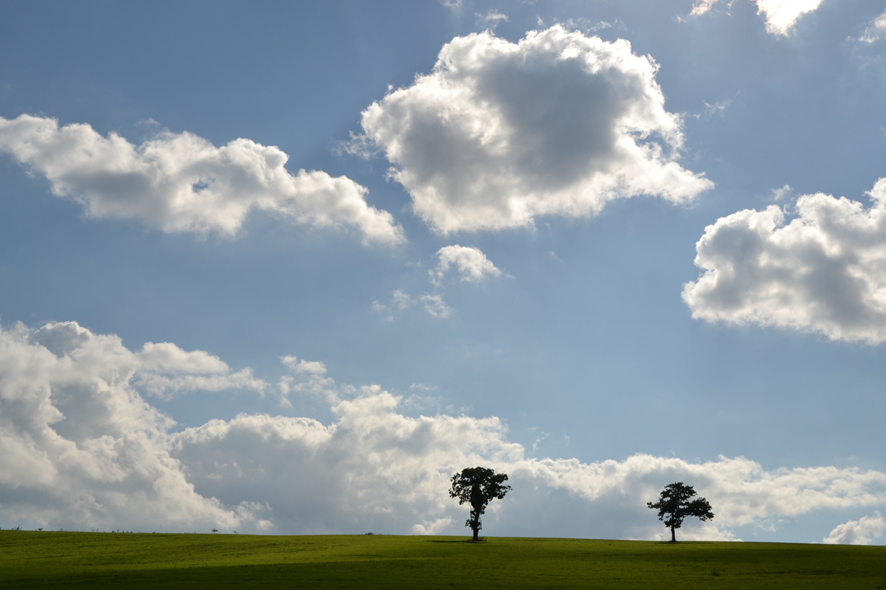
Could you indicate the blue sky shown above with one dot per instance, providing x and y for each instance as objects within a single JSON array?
[{"x": 601, "y": 246}]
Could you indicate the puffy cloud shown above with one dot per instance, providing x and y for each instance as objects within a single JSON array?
[
  {"x": 183, "y": 183},
  {"x": 501, "y": 133},
  {"x": 858, "y": 532},
  {"x": 376, "y": 469},
  {"x": 824, "y": 271},
  {"x": 780, "y": 15},
  {"x": 80, "y": 448},
  {"x": 469, "y": 263}
]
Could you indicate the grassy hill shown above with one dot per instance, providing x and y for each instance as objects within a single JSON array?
[{"x": 126, "y": 560}]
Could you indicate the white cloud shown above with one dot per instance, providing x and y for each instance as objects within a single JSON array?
[
  {"x": 501, "y": 133},
  {"x": 431, "y": 302},
  {"x": 780, "y": 15},
  {"x": 717, "y": 108},
  {"x": 875, "y": 30},
  {"x": 824, "y": 271},
  {"x": 703, "y": 6},
  {"x": 469, "y": 263},
  {"x": 858, "y": 532},
  {"x": 80, "y": 448},
  {"x": 183, "y": 183},
  {"x": 780, "y": 193},
  {"x": 434, "y": 305},
  {"x": 491, "y": 18},
  {"x": 304, "y": 366},
  {"x": 376, "y": 469}
]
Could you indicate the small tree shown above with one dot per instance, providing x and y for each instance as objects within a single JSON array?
[
  {"x": 478, "y": 486},
  {"x": 674, "y": 505}
]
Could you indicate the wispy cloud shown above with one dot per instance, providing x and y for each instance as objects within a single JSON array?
[
  {"x": 875, "y": 31},
  {"x": 491, "y": 18}
]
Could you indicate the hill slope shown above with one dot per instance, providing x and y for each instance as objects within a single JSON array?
[{"x": 127, "y": 560}]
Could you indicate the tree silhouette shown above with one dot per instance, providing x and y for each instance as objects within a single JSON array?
[
  {"x": 674, "y": 505},
  {"x": 478, "y": 486}
]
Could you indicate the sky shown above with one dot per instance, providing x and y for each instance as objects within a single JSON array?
[{"x": 285, "y": 268}]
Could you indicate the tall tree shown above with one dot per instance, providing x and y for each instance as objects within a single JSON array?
[
  {"x": 675, "y": 504},
  {"x": 478, "y": 486}
]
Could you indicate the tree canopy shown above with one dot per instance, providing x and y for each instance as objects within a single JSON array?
[
  {"x": 675, "y": 503},
  {"x": 478, "y": 486}
]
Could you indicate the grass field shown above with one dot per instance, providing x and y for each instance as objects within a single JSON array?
[{"x": 127, "y": 560}]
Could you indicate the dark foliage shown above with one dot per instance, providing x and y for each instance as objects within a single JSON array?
[
  {"x": 478, "y": 486},
  {"x": 676, "y": 503}
]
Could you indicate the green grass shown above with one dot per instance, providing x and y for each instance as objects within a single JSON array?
[{"x": 126, "y": 560}]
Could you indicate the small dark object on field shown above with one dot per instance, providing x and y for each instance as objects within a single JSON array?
[
  {"x": 478, "y": 486},
  {"x": 214, "y": 530},
  {"x": 674, "y": 505}
]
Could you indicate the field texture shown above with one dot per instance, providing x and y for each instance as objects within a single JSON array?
[{"x": 127, "y": 560}]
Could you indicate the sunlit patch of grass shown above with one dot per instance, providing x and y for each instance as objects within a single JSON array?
[{"x": 31, "y": 559}]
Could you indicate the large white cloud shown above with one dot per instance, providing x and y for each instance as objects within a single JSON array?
[
  {"x": 81, "y": 448},
  {"x": 780, "y": 15},
  {"x": 824, "y": 271},
  {"x": 183, "y": 183},
  {"x": 376, "y": 469},
  {"x": 501, "y": 133}
]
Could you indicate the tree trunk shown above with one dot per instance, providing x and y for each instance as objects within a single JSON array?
[
  {"x": 476, "y": 534},
  {"x": 673, "y": 535}
]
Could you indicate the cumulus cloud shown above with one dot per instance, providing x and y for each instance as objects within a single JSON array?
[
  {"x": 780, "y": 15},
  {"x": 500, "y": 133},
  {"x": 183, "y": 183},
  {"x": 858, "y": 532},
  {"x": 80, "y": 448},
  {"x": 375, "y": 468},
  {"x": 824, "y": 271},
  {"x": 468, "y": 263}
]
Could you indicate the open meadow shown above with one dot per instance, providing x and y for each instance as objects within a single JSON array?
[{"x": 30, "y": 559}]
